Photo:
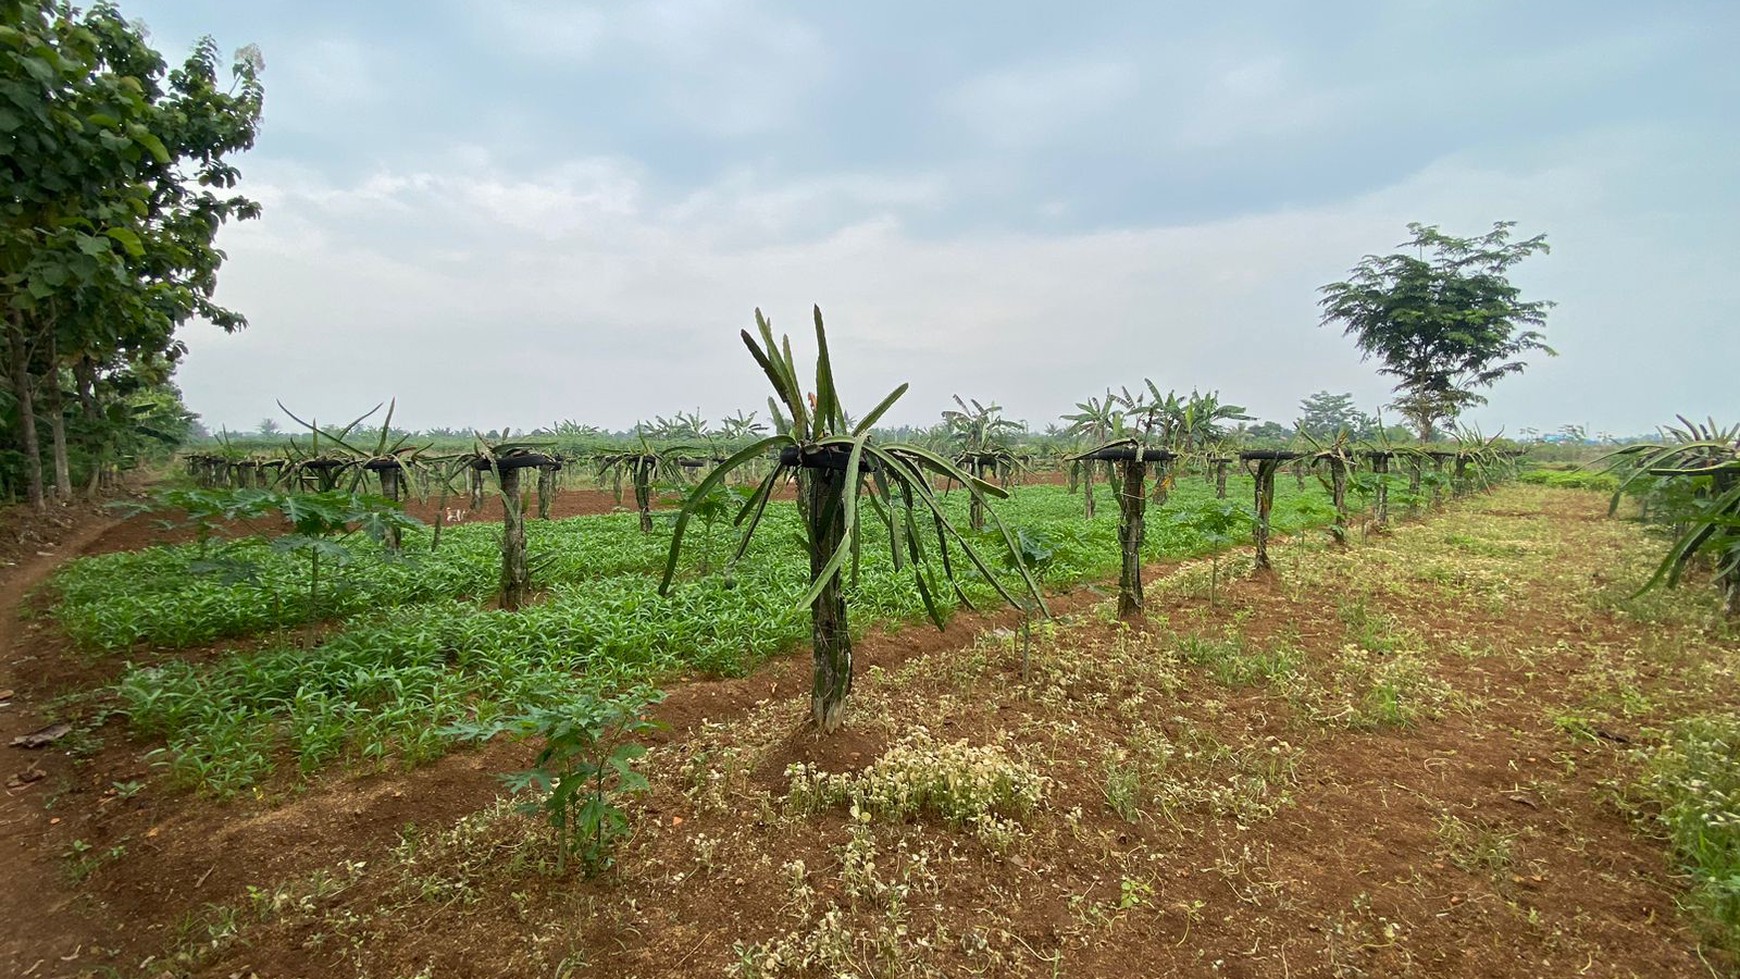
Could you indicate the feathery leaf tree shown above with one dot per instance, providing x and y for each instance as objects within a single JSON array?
[{"x": 1445, "y": 321}]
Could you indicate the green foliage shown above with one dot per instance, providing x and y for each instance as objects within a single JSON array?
[
  {"x": 1323, "y": 415},
  {"x": 584, "y": 770},
  {"x": 419, "y": 656},
  {"x": 1443, "y": 326},
  {"x": 1216, "y": 523},
  {"x": 1572, "y": 479},
  {"x": 120, "y": 175},
  {"x": 317, "y": 522},
  {"x": 1694, "y": 779},
  {"x": 1696, "y": 473}
]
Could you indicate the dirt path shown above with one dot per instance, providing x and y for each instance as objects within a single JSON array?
[{"x": 45, "y": 934}]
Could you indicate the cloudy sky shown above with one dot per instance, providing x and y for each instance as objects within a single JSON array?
[{"x": 520, "y": 211}]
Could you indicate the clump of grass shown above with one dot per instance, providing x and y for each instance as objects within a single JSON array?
[
  {"x": 1372, "y": 629},
  {"x": 1572, "y": 479},
  {"x": 1199, "y": 772},
  {"x": 1475, "y": 849},
  {"x": 1238, "y": 663},
  {"x": 1373, "y": 690},
  {"x": 1695, "y": 780}
]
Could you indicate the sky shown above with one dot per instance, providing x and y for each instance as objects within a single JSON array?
[{"x": 517, "y": 212}]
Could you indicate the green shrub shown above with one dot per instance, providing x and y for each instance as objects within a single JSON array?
[
  {"x": 1695, "y": 780},
  {"x": 1572, "y": 479}
]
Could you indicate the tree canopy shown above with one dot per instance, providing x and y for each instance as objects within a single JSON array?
[
  {"x": 115, "y": 177},
  {"x": 1324, "y": 415},
  {"x": 1444, "y": 321}
]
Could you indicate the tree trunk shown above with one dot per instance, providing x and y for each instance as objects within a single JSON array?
[
  {"x": 1438, "y": 481},
  {"x": 1414, "y": 482},
  {"x": 546, "y": 490},
  {"x": 85, "y": 384},
  {"x": 830, "y": 636},
  {"x": 54, "y": 404},
  {"x": 55, "y": 407},
  {"x": 1459, "y": 478},
  {"x": 1220, "y": 479},
  {"x": 28, "y": 444},
  {"x": 1380, "y": 467},
  {"x": 1338, "y": 497},
  {"x": 643, "y": 496},
  {"x": 516, "y": 582},
  {"x": 391, "y": 481},
  {"x": 1265, "y": 502},
  {"x": 1087, "y": 493},
  {"x": 1074, "y": 477},
  {"x": 1132, "y": 528}
]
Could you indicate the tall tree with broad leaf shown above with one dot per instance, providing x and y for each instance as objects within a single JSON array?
[
  {"x": 839, "y": 466},
  {"x": 1444, "y": 321},
  {"x": 116, "y": 173}
]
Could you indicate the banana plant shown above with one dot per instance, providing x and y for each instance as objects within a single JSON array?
[
  {"x": 839, "y": 466},
  {"x": 1095, "y": 420}
]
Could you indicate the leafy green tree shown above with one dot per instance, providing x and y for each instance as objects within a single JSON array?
[
  {"x": 1444, "y": 325},
  {"x": 116, "y": 175},
  {"x": 1324, "y": 415},
  {"x": 1268, "y": 432}
]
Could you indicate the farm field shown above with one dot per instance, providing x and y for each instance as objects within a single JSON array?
[
  {"x": 443, "y": 536},
  {"x": 411, "y": 642},
  {"x": 1441, "y": 751}
]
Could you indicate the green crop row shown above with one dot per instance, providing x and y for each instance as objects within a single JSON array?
[
  {"x": 1604, "y": 482},
  {"x": 384, "y": 687}
]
